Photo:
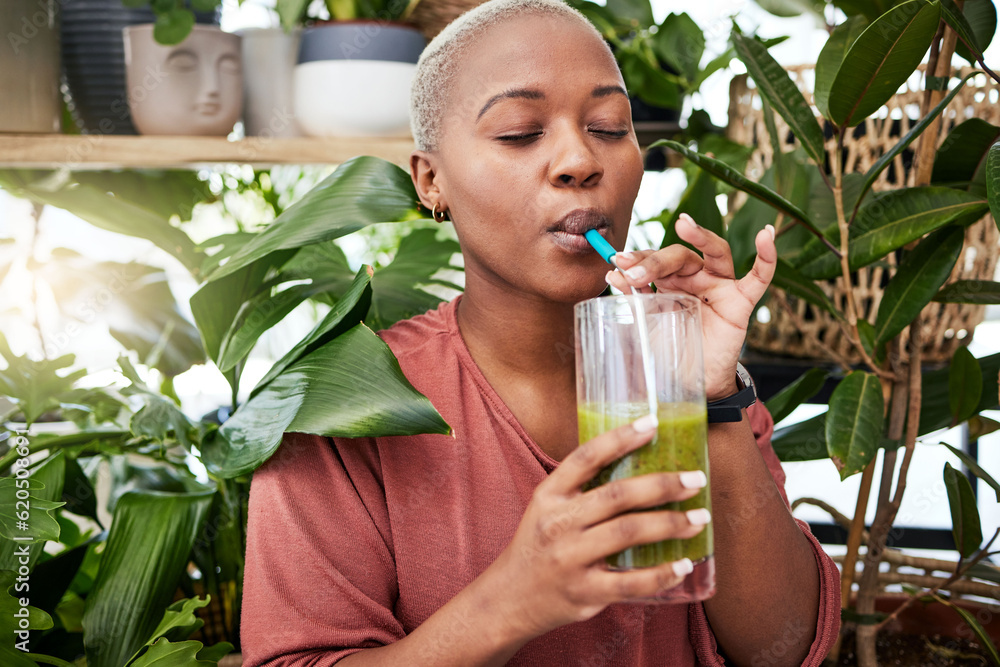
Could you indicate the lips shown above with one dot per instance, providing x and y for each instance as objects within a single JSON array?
[
  {"x": 568, "y": 232},
  {"x": 581, "y": 221}
]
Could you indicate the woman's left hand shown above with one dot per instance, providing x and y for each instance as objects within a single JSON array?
[{"x": 727, "y": 303}]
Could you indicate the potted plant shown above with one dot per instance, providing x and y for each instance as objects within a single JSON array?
[
  {"x": 890, "y": 401},
  {"x": 29, "y": 68},
  {"x": 369, "y": 50},
  {"x": 246, "y": 289},
  {"x": 94, "y": 58}
]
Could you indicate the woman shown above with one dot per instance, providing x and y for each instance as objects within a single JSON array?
[{"x": 482, "y": 547}]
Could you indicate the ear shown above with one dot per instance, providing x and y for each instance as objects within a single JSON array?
[{"x": 423, "y": 172}]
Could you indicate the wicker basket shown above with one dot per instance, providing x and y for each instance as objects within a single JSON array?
[
  {"x": 797, "y": 329},
  {"x": 431, "y": 16}
]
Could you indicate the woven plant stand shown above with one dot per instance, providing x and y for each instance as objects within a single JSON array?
[{"x": 796, "y": 328}]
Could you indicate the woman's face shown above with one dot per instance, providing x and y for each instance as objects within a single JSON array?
[{"x": 536, "y": 148}]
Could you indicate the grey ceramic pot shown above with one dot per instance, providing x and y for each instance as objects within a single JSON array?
[{"x": 269, "y": 56}]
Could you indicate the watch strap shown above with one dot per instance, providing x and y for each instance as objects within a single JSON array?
[{"x": 730, "y": 409}]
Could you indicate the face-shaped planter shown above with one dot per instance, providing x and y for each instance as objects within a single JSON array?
[{"x": 192, "y": 88}]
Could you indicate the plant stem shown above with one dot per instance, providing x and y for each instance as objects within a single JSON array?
[
  {"x": 944, "y": 584},
  {"x": 938, "y": 66}
]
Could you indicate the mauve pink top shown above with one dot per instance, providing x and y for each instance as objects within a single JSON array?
[{"x": 352, "y": 543}]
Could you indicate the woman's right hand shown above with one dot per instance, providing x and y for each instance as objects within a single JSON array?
[{"x": 553, "y": 571}]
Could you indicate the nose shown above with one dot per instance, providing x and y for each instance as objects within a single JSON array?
[{"x": 575, "y": 164}]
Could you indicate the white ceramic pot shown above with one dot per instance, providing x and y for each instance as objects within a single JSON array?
[
  {"x": 192, "y": 88},
  {"x": 353, "y": 79},
  {"x": 269, "y": 56}
]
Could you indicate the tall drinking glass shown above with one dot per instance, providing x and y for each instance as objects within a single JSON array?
[{"x": 616, "y": 362}]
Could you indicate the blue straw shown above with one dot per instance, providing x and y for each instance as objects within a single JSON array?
[{"x": 603, "y": 248}]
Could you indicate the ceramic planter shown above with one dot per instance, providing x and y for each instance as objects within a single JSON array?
[
  {"x": 269, "y": 57},
  {"x": 29, "y": 66},
  {"x": 353, "y": 79},
  {"x": 193, "y": 88},
  {"x": 94, "y": 61}
]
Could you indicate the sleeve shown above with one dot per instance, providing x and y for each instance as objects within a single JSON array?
[
  {"x": 320, "y": 579},
  {"x": 828, "y": 621}
]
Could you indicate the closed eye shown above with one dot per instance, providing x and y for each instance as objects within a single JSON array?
[{"x": 519, "y": 137}]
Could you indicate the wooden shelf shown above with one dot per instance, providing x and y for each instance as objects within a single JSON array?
[{"x": 76, "y": 152}]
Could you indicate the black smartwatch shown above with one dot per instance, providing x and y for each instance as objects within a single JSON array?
[{"x": 730, "y": 408}]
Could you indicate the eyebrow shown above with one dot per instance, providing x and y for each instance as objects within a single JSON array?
[{"x": 535, "y": 94}]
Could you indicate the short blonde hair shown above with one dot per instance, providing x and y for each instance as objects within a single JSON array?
[{"x": 438, "y": 64}]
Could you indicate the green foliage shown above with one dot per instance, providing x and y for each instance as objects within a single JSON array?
[
  {"x": 24, "y": 512},
  {"x": 11, "y": 613},
  {"x": 798, "y": 392},
  {"x": 777, "y": 87},
  {"x": 966, "y": 527},
  {"x": 918, "y": 278},
  {"x": 982, "y": 16},
  {"x": 965, "y": 385},
  {"x": 984, "y": 292},
  {"x": 976, "y": 470},
  {"x": 832, "y": 57},
  {"x": 149, "y": 544},
  {"x": 36, "y": 386},
  {"x": 881, "y": 59},
  {"x": 963, "y": 154},
  {"x": 993, "y": 181},
  {"x": 854, "y": 422}
]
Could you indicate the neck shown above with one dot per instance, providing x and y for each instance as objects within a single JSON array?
[{"x": 539, "y": 347}]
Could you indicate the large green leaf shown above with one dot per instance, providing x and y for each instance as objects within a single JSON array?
[
  {"x": 11, "y": 615},
  {"x": 887, "y": 222},
  {"x": 291, "y": 13},
  {"x": 799, "y": 286},
  {"x": 935, "y": 409},
  {"x": 983, "y": 292},
  {"x": 167, "y": 654},
  {"x": 993, "y": 181},
  {"x": 147, "y": 550},
  {"x": 348, "y": 311},
  {"x": 782, "y": 94},
  {"x": 397, "y": 292},
  {"x": 646, "y": 80},
  {"x": 964, "y": 152},
  {"x": 957, "y": 21},
  {"x": 805, "y": 387},
  {"x": 787, "y": 8},
  {"x": 965, "y": 524},
  {"x": 349, "y": 387},
  {"x": 976, "y": 469},
  {"x": 887, "y": 158},
  {"x": 362, "y": 191},
  {"x": 698, "y": 201},
  {"x": 104, "y": 210},
  {"x": 965, "y": 385},
  {"x": 919, "y": 277},
  {"x": 166, "y": 192},
  {"x": 727, "y": 174},
  {"x": 982, "y": 16},
  {"x": 260, "y": 314},
  {"x": 680, "y": 43},
  {"x": 854, "y": 422},
  {"x": 881, "y": 60},
  {"x": 36, "y": 386},
  {"x": 870, "y": 8},
  {"x": 159, "y": 417},
  {"x": 832, "y": 56},
  {"x": 638, "y": 11}
]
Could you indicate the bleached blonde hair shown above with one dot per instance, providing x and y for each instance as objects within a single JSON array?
[{"x": 439, "y": 62}]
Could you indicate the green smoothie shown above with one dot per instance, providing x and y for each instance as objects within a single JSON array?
[{"x": 680, "y": 444}]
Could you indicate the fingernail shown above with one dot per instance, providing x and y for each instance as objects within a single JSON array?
[
  {"x": 693, "y": 479},
  {"x": 683, "y": 567},
  {"x": 607, "y": 277},
  {"x": 770, "y": 230},
  {"x": 625, "y": 255},
  {"x": 698, "y": 517},
  {"x": 645, "y": 423},
  {"x": 687, "y": 218},
  {"x": 636, "y": 272}
]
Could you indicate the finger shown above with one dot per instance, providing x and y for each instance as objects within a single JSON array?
[
  {"x": 642, "y": 583},
  {"x": 754, "y": 284},
  {"x": 584, "y": 462},
  {"x": 675, "y": 260},
  {"x": 717, "y": 253},
  {"x": 616, "y": 280},
  {"x": 634, "y": 528},
  {"x": 614, "y": 498}
]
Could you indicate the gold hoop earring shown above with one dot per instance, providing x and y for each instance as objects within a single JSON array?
[{"x": 434, "y": 212}]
